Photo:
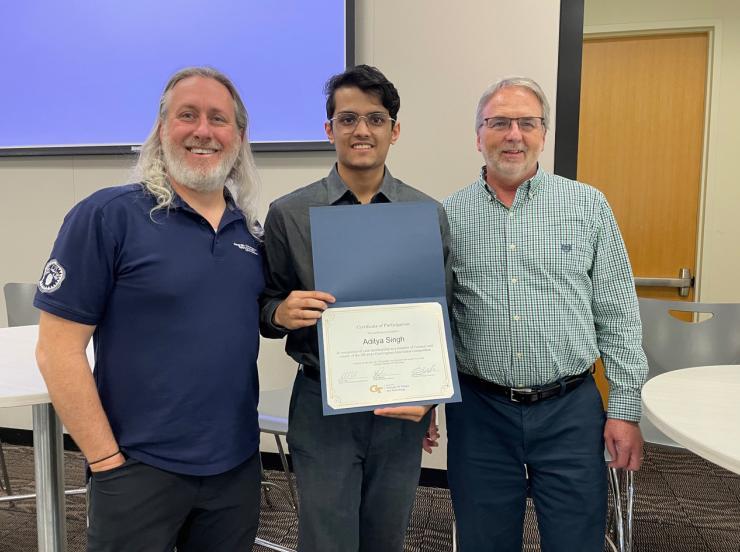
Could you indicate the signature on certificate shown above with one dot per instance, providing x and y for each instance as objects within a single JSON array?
[
  {"x": 383, "y": 374},
  {"x": 352, "y": 376},
  {"x": 424, "y": 370}
]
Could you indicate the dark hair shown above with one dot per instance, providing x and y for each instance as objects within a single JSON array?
[{"x": 368, "y": 79}]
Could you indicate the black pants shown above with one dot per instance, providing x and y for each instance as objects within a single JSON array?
[
  {"x": 560, "y": 441},
  {"x": 136, "y": 507}
]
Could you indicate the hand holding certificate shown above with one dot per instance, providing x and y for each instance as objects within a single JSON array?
[{"x": 386, "y": 341}]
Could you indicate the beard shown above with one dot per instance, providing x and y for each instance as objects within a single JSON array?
[
  {"x": 508, "y": 168},
  {"x": 198, "y": 178}
]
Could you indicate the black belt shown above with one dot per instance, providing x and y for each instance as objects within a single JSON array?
[
  {"x": 528, "y": 395},
  {"x": 311, "y": 372}
]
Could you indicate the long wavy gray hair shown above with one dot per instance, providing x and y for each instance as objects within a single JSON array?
[{"x": 242, "y": 181}]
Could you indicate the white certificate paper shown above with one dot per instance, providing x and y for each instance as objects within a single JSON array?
[{"x": 385, "y": 355}]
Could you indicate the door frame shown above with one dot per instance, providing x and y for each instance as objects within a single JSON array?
[{"x": 713, "y": 30}]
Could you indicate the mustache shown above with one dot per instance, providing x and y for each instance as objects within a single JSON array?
[
  {"x": 514, "y": 146},
  {"x": 210, "y": 143}
]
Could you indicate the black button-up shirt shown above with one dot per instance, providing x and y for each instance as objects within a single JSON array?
[{"x": 289, "y": 262}]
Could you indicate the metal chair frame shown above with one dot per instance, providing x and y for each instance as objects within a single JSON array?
[
  {"x": 672, "y": 344},
  {"x": 273, "y": 419},
  {"x": 5, "y": 481}
]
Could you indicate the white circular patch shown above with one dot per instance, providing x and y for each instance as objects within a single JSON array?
[{"x": 52, "y": 277}]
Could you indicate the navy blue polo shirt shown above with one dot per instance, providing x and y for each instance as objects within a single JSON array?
[{"x": 176, "y": 314}]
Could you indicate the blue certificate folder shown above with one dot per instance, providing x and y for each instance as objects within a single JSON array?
[{"x": 378, "y": 254}]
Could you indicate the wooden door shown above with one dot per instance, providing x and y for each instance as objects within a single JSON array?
[{"x": 641, "y": 143}]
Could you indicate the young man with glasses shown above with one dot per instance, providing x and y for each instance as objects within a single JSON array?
[
  {"x": 357, "y": 473},
  {"x": 543, "y": 287}
]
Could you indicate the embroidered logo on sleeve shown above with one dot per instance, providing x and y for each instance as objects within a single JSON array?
[
  {"x": 52, "y": 277},
  {"x": 247, "y": 248}
]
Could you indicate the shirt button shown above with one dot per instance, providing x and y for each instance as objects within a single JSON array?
[
  {"x": 519, "y": 355},
  {"x": 516, "y": 317},
  {"x": 512, "y": 247},
  {"x": 511, "y": 213},
  {"x": 514, "y": 280}
]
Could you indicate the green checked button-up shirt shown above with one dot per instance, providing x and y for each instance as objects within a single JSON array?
[{"x": 544, "y": 287}]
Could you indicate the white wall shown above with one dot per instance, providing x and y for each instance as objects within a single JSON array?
[
  {"x": 720, "y": 261},
  {"x": 440, "y": 55}
]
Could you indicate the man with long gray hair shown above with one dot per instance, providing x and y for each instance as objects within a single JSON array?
[
  {"x": 543, "y": 287},
  {"x": 165, "y": 276}
]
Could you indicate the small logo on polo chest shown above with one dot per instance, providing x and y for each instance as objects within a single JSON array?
[{"x": 247, "y": 248}]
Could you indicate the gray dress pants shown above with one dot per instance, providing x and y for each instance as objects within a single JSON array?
[{"x": 357, "y": 475}]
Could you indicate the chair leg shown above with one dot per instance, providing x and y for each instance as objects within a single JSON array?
[
  {"x": 630, "y": 505},
  {"x": 623, "y": 508},
  {"x": 286, "y": 469},
  {"x": 4, "y": 468},
  {"x": 614, "y": 483},
  {"x": 455, "y": 546},
  {"x": 265, "y": 484},
  {"x": 272, "y": 545},
  {"x": 266, "y": 490}
]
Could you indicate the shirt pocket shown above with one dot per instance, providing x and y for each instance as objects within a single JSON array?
[{"x": 563, "y": 247}]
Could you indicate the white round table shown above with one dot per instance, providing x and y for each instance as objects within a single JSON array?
[
  {"x": 699, "y": 408},
  {"x": 21, "y": 384}
]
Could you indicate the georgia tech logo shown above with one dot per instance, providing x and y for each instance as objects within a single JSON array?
[{"x": 376, "y": 389}]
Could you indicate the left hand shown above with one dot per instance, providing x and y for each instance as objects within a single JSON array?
[
  {"x": 412, "y": 413},
  {"x": 624, "y": 442}
]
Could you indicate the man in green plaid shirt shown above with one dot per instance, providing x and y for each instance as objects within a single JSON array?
[{"x": 543, "y": 287}]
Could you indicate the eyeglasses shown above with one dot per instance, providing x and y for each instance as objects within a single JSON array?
[
  {"x": 525, "y": 124},
  {"x": 348, "y": 121}
]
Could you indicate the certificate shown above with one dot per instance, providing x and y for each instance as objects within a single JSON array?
[
  {"x": 385, "y": 354},
  {"x": 386, "y": 341}
]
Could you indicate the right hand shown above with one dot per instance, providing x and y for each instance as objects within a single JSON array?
[
  {"x": 108, "y": 464},
  {"x": 432, "y": 435},
  {"x": 301, "y": 309}
]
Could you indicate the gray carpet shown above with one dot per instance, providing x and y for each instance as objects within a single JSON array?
[{"x": 683, "y": 504}]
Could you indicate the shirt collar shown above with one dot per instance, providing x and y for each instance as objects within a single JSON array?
[
  {"x": 179, "y": 203},
  {"x": 337, "y": 189},
  {"x": 231, "y": 213},
  {"x": 535, "y": 183},
  {"x": 530, "y": 186}
]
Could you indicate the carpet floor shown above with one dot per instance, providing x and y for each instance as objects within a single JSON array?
[{"x": 683, "y": 504}]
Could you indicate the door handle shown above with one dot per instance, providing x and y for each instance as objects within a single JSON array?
[{"x": 684, "y": 282}]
